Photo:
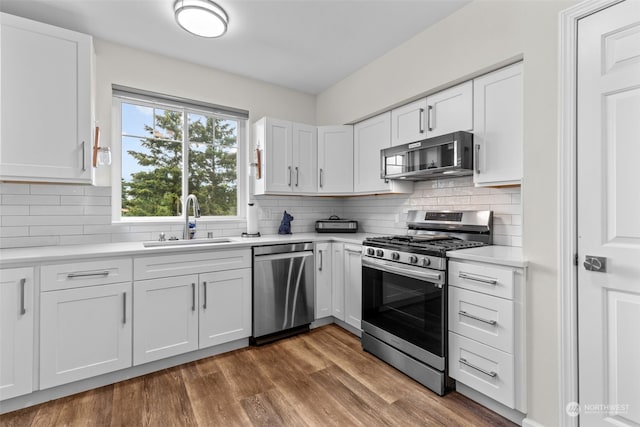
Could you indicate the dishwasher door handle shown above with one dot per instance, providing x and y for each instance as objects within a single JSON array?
[{"x": 286, "y": 255}]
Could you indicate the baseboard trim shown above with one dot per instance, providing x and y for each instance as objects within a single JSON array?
[
  {"x": 528, "y": 422},
  {"x": 497, "y": 407}
]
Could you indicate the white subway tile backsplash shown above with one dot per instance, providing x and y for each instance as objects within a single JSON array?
[
  {"x": 85, "y": 200},
  {"x": 27, "y": 242},
  {"x": 97, "y": 210},
  {"x": 13, "y": 188},
  {"x": 14, "y": 231},
  {"x": 23, "y": 199},
  {"x": 56, "y": 210},
  {"x": 57, "y": 189},
  {"x": 14, "y": 210},
  {"x": 47, "y": 230},
  {"x": 85, "y": 239}
]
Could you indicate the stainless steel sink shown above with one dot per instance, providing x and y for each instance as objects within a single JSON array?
[{"x": 180, "y": 242}]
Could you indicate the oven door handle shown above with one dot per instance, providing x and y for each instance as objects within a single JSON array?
[{"x": 428, "y": 275}]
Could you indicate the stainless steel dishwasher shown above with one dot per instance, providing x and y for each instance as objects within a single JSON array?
[{"x": 283, "y": 290}]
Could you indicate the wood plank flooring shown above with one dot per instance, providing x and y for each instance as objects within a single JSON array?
[{"x": 322, "y": 378}]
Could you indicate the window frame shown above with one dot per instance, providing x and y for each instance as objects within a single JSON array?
[{"x": 242, "y": 178}]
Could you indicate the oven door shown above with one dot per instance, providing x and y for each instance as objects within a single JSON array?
[{"x": 404, "y": 306}]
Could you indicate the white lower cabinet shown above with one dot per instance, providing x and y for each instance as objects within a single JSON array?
[
  {"x": 323, "y": 294},
  {"x": 16, "y": 332},
  {"x": 337, "y": 281},
  {"x": 84, "y": 332},
  {"x": 487, "y": 349},
  {"x": 353, "y": 285},
  {"x": 176, "y": 313}
]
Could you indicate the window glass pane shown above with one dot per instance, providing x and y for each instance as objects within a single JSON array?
[
  {"x": 151, "y": 177},
  {"x": 213, "y": 171},
  {"x": 168, "y": 125},
  {"x": 200, "y": 128},
  {"x": 137, "y": 120}
]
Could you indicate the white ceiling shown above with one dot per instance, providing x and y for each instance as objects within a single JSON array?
[{"x": 305, "y": 45}]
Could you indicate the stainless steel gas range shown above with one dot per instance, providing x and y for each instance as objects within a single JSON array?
[{"x": 404, "y": 291}]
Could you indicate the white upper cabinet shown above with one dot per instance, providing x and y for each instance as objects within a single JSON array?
[
  {"x": 498, "y": 111},
  {"x": 335, "y": 159},
  {"x": 450, "y": 110},
  {"x": 46, "y": 103},
  {"x": 369, "y": 137},
  {"x": 408, "y": 123},
  {"x": 288, "y": 157}
]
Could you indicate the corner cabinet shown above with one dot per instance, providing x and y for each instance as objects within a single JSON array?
[
  {"x": 335, "y": 159},
  {"x": 498, "y": 132},
  {"x": 288, "y": 157},
  {"x": 369, "y": 137},
  {"x": 46, "y": 98},
  {"x": 17, "y": 332}
]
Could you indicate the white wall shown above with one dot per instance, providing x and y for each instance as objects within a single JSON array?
[{"x": 480, "y": 36}]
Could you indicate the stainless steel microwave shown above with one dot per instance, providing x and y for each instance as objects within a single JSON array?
[{"x": 445, "y": 155}]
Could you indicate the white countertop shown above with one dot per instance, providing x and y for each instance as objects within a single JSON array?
[
  {"x": 503, "y": 255},
  {"x": 25, "y": 256}
]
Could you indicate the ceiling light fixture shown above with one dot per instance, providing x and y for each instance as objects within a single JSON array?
[{"x": 203, "y": 18}]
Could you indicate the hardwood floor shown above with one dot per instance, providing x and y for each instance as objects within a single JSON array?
[{"x": 320, "y": 378}]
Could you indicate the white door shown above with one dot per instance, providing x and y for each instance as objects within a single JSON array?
[
  {"x": 369, "y": 137},
  {"x": 84, "y": 332},
  {"x": 305, "y": 159},
  {"x": 335, "y": 159},
  {"x": 166, "y": 320},
  {"x": 609, "y": 216},
  {"x": 225, "y": 306},
  {"x": 353, "y": 285},
  {"x": 408, "y": 122},
  {"x": 16, "y": 332},
  {"x": 337, "y": 280},
  {"x": 278, "y": 155},
  {"x": 323, "y": 280},
  {"x": 450, "y": 110}
]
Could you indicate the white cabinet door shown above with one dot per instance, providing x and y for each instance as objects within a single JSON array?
[
  {"x": 335, "y": 159},
  {"x": 450, "y": 110},
  {"x": 46, "y": 99},
  {"x": 408, "y": 122},
  {"x": 166, "y": 320},
  {"x": 323, "y": 255},
  {"x": 369, "y": 137},
  {"x": 225, "y": 306},
  {"x": 353, "y": 285},
  {"x": 84, "y": 332},
  {"x": 16, "y": 332},
  {"x": 337, "y": 280},
  {"x": 274, "y": 139},
  {"x": 497, "y": 117},
  {"x": 305, "y": 159}
]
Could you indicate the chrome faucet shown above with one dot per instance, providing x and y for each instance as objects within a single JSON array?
[{"x": 196, "y": 213}]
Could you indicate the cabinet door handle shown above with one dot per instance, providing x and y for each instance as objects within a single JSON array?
[
  {"x": 23, "y": 309},
  {"x": 204, "y": 289},
  {"x": 124, "y": 308},
  {"x": 99, "y": 273},
  {"x": 297, "y": 176},
  {"x": 429, "y": 117},
  {"x": 289, "y": 183},
  {"x": 321, "y": 177},
  {"x": 480, "y": 279},
  {"x": 421, "y": 120},
  {"x": 320, "y": 253},
  {"x": 480, "y": 319},
  {"x": 193, "y": 297},
  {"x": 476, "y": 159},
  {"x": 84, "y": 166},
  {"x": 491, "y": 374}
]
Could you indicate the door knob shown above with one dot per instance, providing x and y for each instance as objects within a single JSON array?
[{"x": 595, "y": 263}]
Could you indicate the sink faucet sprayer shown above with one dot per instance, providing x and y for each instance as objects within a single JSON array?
[{"x": 196, "y": 213}]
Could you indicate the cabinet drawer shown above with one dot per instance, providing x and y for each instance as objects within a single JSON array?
[
  {"x": 482, "y": 368},
  {"x": 152, "y": 267},
  {"x": 488, "y": 279},
  {"x": 482, "y": 317},
  {"x": 76, "y": 275}
]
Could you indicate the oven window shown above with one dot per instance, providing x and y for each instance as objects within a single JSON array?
[{"x": 408, "y": 308}]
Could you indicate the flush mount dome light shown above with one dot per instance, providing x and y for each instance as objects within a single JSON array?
[{"x": 203, "y": 18}]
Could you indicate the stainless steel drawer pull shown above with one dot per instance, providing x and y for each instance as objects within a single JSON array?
[
  {"x": 476, "y": 159},
  {"x": 321, "y": 177},
  {"x": 491, "y": 374},
  {"x": 204, "y": 286},
  {"x": 320, "y": 253},
  {"x": 297, "y": 176},
  {"x": 96, "y": 274},
  {"x": 421, "y": 120},
  {"x": 480, "y": 279},
  {"x": 23, "y": 309},
  {"x": 193, "y": 297},
  {"x": 84, "y": 166},
  {"x": 124, "y": 308},
  {"x": 289, "y": 182},
  {"x": 429, "y": 117},
  {"x": 480, "y": 319}
]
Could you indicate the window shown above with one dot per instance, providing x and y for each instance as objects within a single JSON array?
[{"x": 170, "y": 148}]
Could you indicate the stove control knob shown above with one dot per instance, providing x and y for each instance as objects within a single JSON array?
[
  {"x": 395, "y": 256},
  {"x": 370, "y": 251},
  {"x": 413, "y": 259},
  {"x": 426, "y": 262},
  {"x": 379, "y": 252}
]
